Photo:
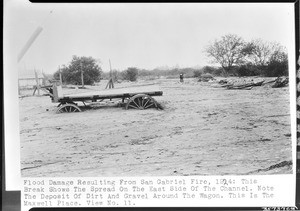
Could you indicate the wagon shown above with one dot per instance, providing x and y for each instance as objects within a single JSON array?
[{"x": 137, "y": 97}]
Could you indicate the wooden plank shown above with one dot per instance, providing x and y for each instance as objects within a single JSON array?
[{"x": 116, "y": 93}]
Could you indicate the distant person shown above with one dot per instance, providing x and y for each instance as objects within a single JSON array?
[{"x": 181, "y": 77}]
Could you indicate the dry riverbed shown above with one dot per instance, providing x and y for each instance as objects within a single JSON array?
[{"x": 203, "y": 130}]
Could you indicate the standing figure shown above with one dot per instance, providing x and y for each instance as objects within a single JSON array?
[{"x": 181, "y": 77}]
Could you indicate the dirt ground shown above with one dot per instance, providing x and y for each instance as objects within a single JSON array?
[{"x": 203, "y": 130}]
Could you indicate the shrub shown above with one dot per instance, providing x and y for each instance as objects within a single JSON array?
[
  {"x": 197, "y": 73},
  {"x": 218, "y": 71},
  {"x": 276, "y": 69},
  {"x": 278, "y": 65},
  {"x": 249, "y": 70},
  {"x": 130, "y": 74}
]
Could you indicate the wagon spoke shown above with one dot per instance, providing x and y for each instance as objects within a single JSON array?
[
  {"x": 143, "y": 101},
  {"x": 147, "y": 102},
  {"x": 139, "y": 100},
  {"x": 150, "y": 105},
  {"x": 133, "y": 106},
  {"x": 68, "y": 108}
]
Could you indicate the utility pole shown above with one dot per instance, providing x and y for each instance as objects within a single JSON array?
[
  {"x": 110, "y": 73},
  {"x": 82, "y": 83},
  {"x": 60, "y": 77},
  {"x": 110, "y": 83},
  {"x": 37, "y": 82}
]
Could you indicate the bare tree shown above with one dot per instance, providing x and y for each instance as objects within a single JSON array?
[
  {"x": 262, "y": 52},
  {"x": 279, "y": 53},
  {"x": 228, "y": 51}
]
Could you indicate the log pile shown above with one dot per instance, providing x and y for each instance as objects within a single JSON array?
[
  {"x": 247, "y": 84},
  {"x": 241, "y": 85},
  {"x": 280, "y": 82}
]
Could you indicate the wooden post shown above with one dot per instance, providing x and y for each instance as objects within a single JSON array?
[
  {"x": 111, "y": 77},
  {"x": 82, "y": 83},
  {"x": 60, "y": 77},
  {"x": 110, "y": 73},
  {"x": 43, "y": 79},
  {"x": 37, "y": 82},
  {"x": 110, "y": 83}
]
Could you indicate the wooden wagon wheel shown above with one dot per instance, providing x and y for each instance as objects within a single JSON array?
[
  {"x": 141, "y": 101},
  {"x": 68, "y": 108}
]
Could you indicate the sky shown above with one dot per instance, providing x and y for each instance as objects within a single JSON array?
[{"x": 137, "y": 34}]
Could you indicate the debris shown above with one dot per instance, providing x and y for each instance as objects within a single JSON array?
[
  {"x": 245, "y": 85},
  {"x": 268, "y": 82},
  {"x": 206, "y": 77},
  {"x": 264, "y": 139},
  {"x": 286, "y": 164},
  {"x": 223, "y": 81},
  {"x": 258, "y": 83},
  {"x": 240, "y": 87},
  {"x": 280, "y": 82}
]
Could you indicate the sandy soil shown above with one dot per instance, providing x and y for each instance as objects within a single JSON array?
[{"x": 203, "y": 130}]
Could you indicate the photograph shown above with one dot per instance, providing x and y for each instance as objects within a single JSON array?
[{"x": 155, "y": 89}]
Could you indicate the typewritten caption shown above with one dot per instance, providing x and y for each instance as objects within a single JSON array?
[{"x": 169, "y": 191}]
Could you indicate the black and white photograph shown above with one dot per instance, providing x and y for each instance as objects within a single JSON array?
[{"x": 170, "y": 89}]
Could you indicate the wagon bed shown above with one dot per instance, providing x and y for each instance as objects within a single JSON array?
[
  {"x": 151, "y": 90},
  {"x": 138, "y": 97}
]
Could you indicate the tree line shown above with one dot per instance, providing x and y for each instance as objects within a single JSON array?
[
  {"x": 233, "y": 55},
  {"x": 88, "y": 69},
  {"x": 242, "y": 58}
]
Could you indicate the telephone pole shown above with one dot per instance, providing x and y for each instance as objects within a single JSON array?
[
  {"x": 110, "y": 83},
  {"x": 60, "y": 77},
  {"x": 82, "y": 83}
]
